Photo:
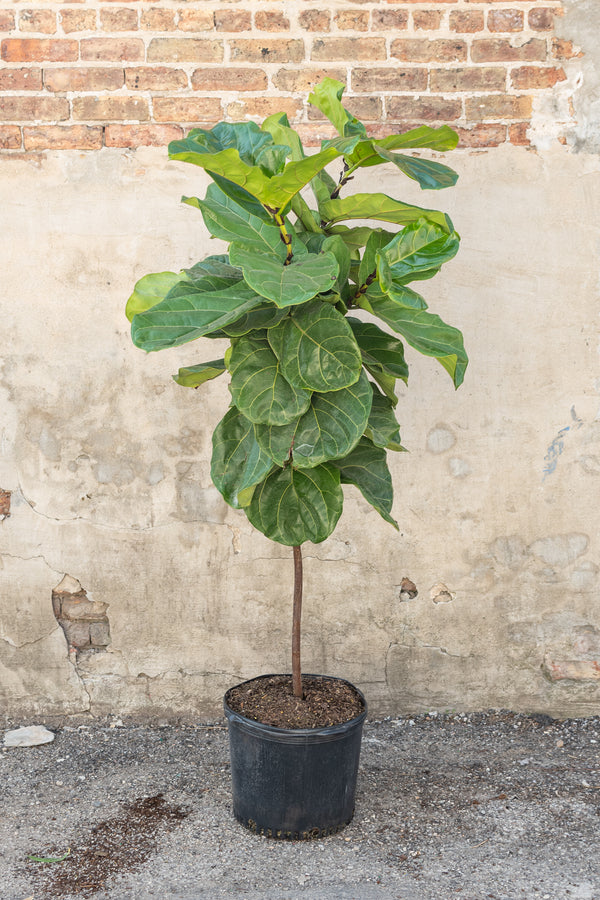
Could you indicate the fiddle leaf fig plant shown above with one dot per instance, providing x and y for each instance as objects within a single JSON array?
[{"x": 312, "y": 379}]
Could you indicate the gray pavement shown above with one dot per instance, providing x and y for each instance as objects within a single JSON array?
[{"x": 477, "y": 807}]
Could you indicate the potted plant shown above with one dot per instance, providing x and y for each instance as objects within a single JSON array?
[{"x": 312, "y": 382}]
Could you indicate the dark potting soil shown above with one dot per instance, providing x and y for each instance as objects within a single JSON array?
[{"x": 270, "y": 700}]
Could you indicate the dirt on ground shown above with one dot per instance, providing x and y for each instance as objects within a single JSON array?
[{"x": 481, "y": 806}]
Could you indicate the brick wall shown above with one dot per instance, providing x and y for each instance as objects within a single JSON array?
[{"x": 90, "y": 74}]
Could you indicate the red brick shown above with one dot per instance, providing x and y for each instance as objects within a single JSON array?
[
  {"x": 498, "y": 106},
  {"x": 429, "y": 51},
  {"x": 100, "y": 109},
  {"x": 304, "y": 80},
  {"x": 352, "y": 20},
  {"x": 38, "y": 50},
  {"x": 141, "y": 135},
  {"x": 155, "y": 78},
  {"x": 81, "y": 79},
  {"x": 10, "y": 139},
  {"x": 232, "y": 20},
  {"x": 392, "y": 79},
  {"x": 389, "y": 19},
  {"x": 501, "y": 50},
  {"x": 368, "y": 109},
  {"x": 39, "y": 20},
  {"x": 158, "y": 20},
  {"x": 541, "y": 19},
  {"x": 5, "y": 496},
  {"x": 185, "y": 50},
  {"x": 562, "y": 49},
  {"x": 466, "y": 21},
  {"x": 20, "y": 79},
  {"x": 517, "y": 134},
  {"x": 425, "y": 108},
  {"x": 483, "y": 79},
  {"x": 267, "y": 50},
  {"x": 187, "y": 109},
  {"x": 63, "y": 137},
  {"x": 230, "y": 79},
  {"x": 77, "y": 20},
  {"x": 112, "y": 49},
  {"x": 345, "y": 48},
  {"x": 271, "y": 21},
  {"x": 7, "y": 20},
  {"x": 505, "y": 20},
  {"x": 315, "y": 20},
  {"x": 427, "y": 19},
  {"x": 196, "y": 20},
  {"x": 482, "y": 136},
  {"x": 27, "y": 108},
  {"x": 119, "y": 19},
  {"x": 261, "y": 107},
  {"x": 536, "y": 78}
]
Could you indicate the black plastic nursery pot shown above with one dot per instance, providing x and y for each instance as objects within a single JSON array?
[{"x": 294, "y": 784}]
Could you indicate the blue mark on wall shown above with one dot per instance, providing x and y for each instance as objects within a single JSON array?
[{"x": 558, "y": 444}]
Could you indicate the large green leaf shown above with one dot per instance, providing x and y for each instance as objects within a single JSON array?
[
  {"x": 150, "y": 290},
  {"x": 399, "y": 293},
  {"x": 356, "y": 238},
  {"x": 387, "y": 383},
  {"x": 295, "y": 505},
  {"x": 380, "y": 207},
  {"x": 188, "y": 313},
  {"x": 316, "y": 348},
  {"x": 366, "y": 468},
  {"x": 424, "y": 137},
  {"x": 279, "y": 128},
  {"x": 194, "y": 376},
  {"x": 430, "y": 175},
  {"x": 417, "y": 248},
  {"x": 264, "y": 316},
  {"x": 332, "y": 425},
  {"x": 238, "y": 463},
  {"x": 382, "y": 428},
  {"x": 379, "y": 349},
  {"x": 424, "y": 331},
  {"x": 246, "y": 137},
  {"x": 286, "y": 285},
  {"x": 368, "y": 264},
  {"x": 213, "y": 267},
  {"x": 327, "y": 97},
  {"x": 258, "y": 388},
  {"x": 229, "y": 221}
]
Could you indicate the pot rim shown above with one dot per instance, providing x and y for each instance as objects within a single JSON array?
[{"x": 324, "y": 730}]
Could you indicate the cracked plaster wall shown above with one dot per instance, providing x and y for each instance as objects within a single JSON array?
[{"x": 107, "y": 460}]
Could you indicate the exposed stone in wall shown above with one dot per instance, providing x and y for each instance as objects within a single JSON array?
[
  {"x": 4, "y": 504},
  {"x": 124, "y": 77},
  {"x": 83, "y": 621}
]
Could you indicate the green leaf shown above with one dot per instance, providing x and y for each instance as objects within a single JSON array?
[
  {"x": 50, "y": 859},
  {"x": 356, "y": 238},
  {"x": 418, "y": 248},
  {"x": 368, "y": 264},
  {"x": 301, "y": 280},
  {"x": 424, "y": 331},
  {"x": 226, "y": 163},
  {"x": 246, "y": 137},
  {"x": 424, "y": 137},
  {"x": 366, "y": 468},
  {"x": 279, "y": 128},
  {"x": 292, "y": 506},
  {"x": 387, "y": 383},
  {"x": 264, "y": 316},
  {"x": 316, "y": 348},
  {"x": 430, "y": 175},
  {"x": 216, "y": 266},
  {"x": 399, "y": 293},
  {"x": 188, "y": 313},
  {"x": 229, "y": 221},
  {"x": 332, "y": 425},
  {"x": 382, "y": 428},
  {"x": 238, "y": 463},
  {"x": 194, "y": 376},
  {"x": 299, "y": 173},
  {"x": 327, "y": 97},
  {"x": 379, "y": 349},
  {"x": 258, "y": 388},
  {"x": 150, "y": 290},
  {"x": 380, "y": 207}
]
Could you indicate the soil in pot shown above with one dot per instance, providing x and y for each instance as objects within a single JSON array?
[{"x": 271, "y": 701}]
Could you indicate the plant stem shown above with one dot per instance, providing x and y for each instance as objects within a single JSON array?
[{"x": 296, "y": 620}]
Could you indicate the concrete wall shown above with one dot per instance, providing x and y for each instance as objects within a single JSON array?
[{"x": 111, "y": 523}]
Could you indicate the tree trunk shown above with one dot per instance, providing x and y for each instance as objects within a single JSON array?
[{"x": 296, "y": 624}]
